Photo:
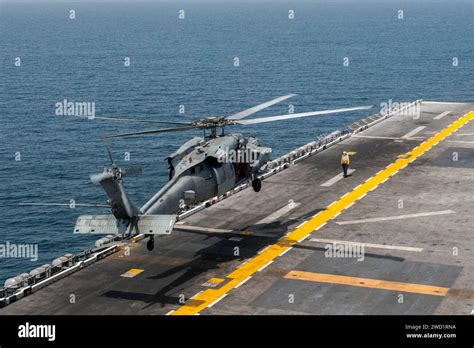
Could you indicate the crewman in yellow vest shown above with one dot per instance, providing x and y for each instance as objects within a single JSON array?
[{"x": 345, "y": 161}]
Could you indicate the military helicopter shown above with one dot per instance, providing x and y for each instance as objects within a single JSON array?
[{"x": 202, "y": 168}]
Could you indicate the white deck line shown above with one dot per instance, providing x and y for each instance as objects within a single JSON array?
[
  {"x": 366, "y": 245},
  {"x": 397, "y": 217},
  {"x": 413, "y": 132}
]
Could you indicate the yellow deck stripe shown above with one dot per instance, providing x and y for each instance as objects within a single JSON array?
[
  {"x": 368, "y": 283},
  {"x": 207, "y": 297},
  {"x": 132, "y": 273}
]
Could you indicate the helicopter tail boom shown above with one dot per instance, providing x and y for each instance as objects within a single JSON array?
[{"x": 121, "y": 205}]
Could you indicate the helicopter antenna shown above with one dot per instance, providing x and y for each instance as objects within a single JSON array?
[{"x": 112, "y": 161}]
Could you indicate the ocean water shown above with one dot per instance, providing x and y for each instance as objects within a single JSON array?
[{"x": 190, "y": 62}]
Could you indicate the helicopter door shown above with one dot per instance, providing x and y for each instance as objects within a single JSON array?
[
  {"x": 225, "y": 177},
  {"x": 241, "y": 170}
]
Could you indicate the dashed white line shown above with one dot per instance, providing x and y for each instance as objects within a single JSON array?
[
  {"x": 244, "y": 262},
  {"x": 374, "y": 137},
  {"x": 261, "y": 251},
  {"x": 301, "y": 224},
  {"x": 199, "y": 293},
  {"x": 242, "y": 283},
  {"x": 413, "y": 132},
  {"x": 220, "y": 298},
  {"x": 350, "y": 205},
  {"x": 265, "y": 266},
  {"x": 336, "y": 178},
  {"x": 283, "y": 253},
  {"x": 319, "y": 227},
  {"x": 302, "y": 239},
  {"x": 460, "y": 142},
  {"x": 367, "y": 245},
  {"x": 440, "y": 116},
  {"x": 396, "y": 217}
]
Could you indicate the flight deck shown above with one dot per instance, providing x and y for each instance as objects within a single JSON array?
[{"x": 395, "y": 237}]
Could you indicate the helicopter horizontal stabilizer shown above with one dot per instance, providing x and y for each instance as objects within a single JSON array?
[{"x": 108, "y": 224}]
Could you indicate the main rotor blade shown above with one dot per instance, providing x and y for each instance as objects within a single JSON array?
[
  {"x": 259, "y": 107},
  {"x": 152, "y": 131},
  {"x": 303, "y": 114},
  {"x": 141, "y": 120},
  {"x": 64, "y": 204}
]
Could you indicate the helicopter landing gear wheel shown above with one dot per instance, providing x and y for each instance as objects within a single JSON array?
[
  {"x": 150, "y": 245},
  {"x": 257, "y": 185}
]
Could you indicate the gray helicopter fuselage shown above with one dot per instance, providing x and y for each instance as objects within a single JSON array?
[{"x": 203, "y": 168}]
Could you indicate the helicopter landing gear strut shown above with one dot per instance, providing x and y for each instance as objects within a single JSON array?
[
  {"x": 150, "y": 245},
  {"x": 257, "y": 184}
]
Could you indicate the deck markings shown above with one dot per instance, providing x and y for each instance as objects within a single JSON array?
[
  {"x": 413, "y": 132},
  {"x": 213, "y": 282},
  {"x": 460, "y": 141},
  {"x": 336, "y": 178},
  {"x": 440, "y": 116},
  {"x": 277, "y": 214},
  {"x": 396, "y": 217},
  {"x": 132, "y": 273},
  {"x": 301, "y": 224},
  {"x": 191, "y": 228},
  {"x": 368, "y": 283},
  {"x": 397, "y": 139},
  {"x": 283, "y": 253},
  {"x": 243, "y": 282},
  {"x": 374, "y": 137},
  {"x": 265, "y": 266},
  {"x": 366, "y": 245},
  {"x": 220, "y": 298},
  {"x": 249, "y": 268},
  {"x": 267, "y": 220}
]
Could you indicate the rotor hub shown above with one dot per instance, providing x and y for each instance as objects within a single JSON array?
[{"x": 213, "y": 122}]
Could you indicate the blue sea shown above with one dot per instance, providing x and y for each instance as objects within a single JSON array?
[{"x": 190, "y": 62}]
